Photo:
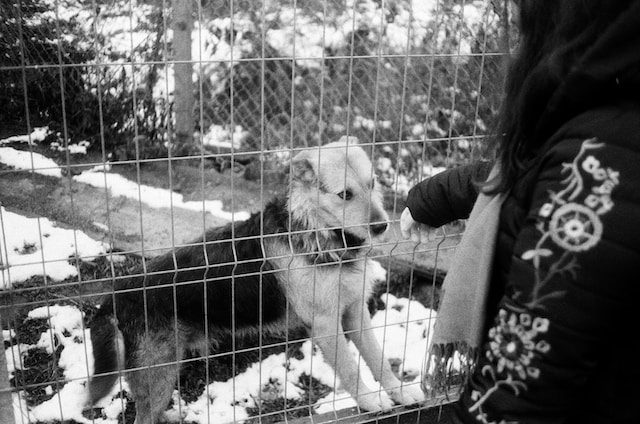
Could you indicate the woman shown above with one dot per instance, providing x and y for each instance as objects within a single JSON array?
[{"x": 543, "y": 292}]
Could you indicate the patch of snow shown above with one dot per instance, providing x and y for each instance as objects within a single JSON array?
[
  {"x": 220, "y": 136},
  {"x": 20, "y": 409},
  {"x": 153, "y": 196},
  {"x": 404, "y": 329},
  {"x": 7, "y": 335},
  {"x": 117, "y": 259},
  {"x": 334, "y": 401},
  {"x": 37, "y": 135},
  {"x": 79, "y": 148},
  {"x": 100, "y": 226},
  {"x": 29, "y": 161},
  {"x": 76, "y": 360},
  {"x": 15, "y": 356},
  {"x": 119, "y": 185},
  {"x": 36, "y": 246}
]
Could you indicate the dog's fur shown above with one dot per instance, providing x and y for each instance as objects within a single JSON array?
[{"x": 304, "y": 254}]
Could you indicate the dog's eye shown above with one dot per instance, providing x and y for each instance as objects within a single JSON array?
[{"x": 345, "y": 195}]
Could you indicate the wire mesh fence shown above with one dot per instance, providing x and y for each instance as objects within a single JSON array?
[{"x": 131, "y": 129}]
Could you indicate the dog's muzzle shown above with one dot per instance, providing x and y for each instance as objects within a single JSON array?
[
  {"x": 377, "y": 229},
  {"x": 353, "y": 240},
  {"x": 350, "y": 239}
]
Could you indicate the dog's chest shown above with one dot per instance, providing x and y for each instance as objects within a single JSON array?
[{"x": 325, "y": 290}]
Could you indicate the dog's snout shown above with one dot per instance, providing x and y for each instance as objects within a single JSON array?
[{"x": 378, "y": 228}]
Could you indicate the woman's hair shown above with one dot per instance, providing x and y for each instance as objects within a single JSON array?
[{"x": 554, "y": 35}]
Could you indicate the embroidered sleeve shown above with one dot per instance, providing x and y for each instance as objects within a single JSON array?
[{"x": 567, "y": 293}]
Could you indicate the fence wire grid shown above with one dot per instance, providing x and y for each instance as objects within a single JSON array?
[{"x": 130, "y": 128}]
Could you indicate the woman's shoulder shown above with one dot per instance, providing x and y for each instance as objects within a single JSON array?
[
  {"x": 592, "y": 159},
  {"x": 616, "y": 124}
]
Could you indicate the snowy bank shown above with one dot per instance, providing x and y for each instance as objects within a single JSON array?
[
  {"x": 405, "y": 327},
  {"x": 37, "y": 246}
]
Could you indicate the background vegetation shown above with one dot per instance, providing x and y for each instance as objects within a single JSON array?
[{"x": 425, "y": 73}]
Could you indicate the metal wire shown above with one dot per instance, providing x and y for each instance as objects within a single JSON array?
[{"x": 285, "y": 106}]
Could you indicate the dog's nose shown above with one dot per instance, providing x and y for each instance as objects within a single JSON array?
[{"x": 378, "y": 229}]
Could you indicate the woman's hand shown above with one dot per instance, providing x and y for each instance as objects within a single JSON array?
[{"x": 417, "y": 232}]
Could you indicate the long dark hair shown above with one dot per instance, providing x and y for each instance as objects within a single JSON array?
[{"x": 554, "y": 36}]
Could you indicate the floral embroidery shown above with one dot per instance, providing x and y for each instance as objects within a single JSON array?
[
  {"x": 571, "y": 221},
  {"x": 575, "y": 227},
  {"x": 513, "y": 341}
]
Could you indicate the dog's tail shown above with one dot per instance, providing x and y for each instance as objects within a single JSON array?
[{"x": 108, "y": 354}]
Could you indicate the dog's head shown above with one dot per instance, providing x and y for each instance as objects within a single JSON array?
[{"x": 334, "y": 191}]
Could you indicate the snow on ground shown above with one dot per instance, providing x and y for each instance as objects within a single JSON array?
[
  {"x": 37, "y": 246},
  {"x": 220, "y": 136},
  {"x": 36, "y": 136},
  {"x": 153, "y": 196},
  {"x": 76, "y": 358},
  {"x": 27, "y": 161},
  {"x": 405, "y": 326},
  {"x": 115, "y": 183}
]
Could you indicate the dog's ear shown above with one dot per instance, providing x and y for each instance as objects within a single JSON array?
[{"x": 302, "y": 168}]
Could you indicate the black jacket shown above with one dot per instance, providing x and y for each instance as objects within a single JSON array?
[{"x": 562, "y": 341}]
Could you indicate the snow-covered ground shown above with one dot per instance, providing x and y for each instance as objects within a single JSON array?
[
  {"x": 37, "y": 246},
  {"x": 101, "y": 178},
  {"x": 402, "y": 328},
  {"x": 33, "y": 246},
  {"x": 153, "y": 196}
]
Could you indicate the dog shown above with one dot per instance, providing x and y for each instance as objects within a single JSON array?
[{"x": 300, "y": 262}]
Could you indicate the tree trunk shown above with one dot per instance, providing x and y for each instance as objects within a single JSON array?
[{"x": 184, "y": 99}]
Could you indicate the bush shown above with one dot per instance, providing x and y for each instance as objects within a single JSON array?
[
  {"x": 422, "y": 94},
  {"x": 437, "y": 103},
  {"x": 52, "y": 79},
  {"x": 34, "y": 44}
]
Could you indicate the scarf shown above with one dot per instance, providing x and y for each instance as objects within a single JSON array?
[{"x": 459, "y": 327}]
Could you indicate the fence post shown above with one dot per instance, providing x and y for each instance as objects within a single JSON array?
[
  {"x": 184, "y": 100},
  {"x": 6, "y": 401}
]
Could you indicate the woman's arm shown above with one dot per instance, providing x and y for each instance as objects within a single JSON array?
[{"x": 447, "y": 196}]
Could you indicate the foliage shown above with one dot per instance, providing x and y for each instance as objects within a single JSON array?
[
  {"x": 34, "y": 45},
  {"x": 437, "y": 92},
  {"x": 51, "y": 76},
  {"x": 437, "y": 102}
]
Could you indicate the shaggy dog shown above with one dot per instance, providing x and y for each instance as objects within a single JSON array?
[{"x": 300, "y": 262}]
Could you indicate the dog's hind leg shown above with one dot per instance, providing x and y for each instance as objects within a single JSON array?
[
  {"x": 336, "y": 353},
  {"x": 357, "y": 322},
  {"x": 157, "y": 358}
]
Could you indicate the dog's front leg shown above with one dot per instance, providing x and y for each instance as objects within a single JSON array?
[
  {"x": 357, "y": 322},
  {"x": 329, "y": 336}
]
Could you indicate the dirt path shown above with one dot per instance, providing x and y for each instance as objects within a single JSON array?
[
  {"x": 127, "y": 224},
  {"x": 134, "y": 227}
]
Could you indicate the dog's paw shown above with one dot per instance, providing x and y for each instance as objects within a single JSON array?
[
  {"x": 375, "y": 402},
  {"x": 407, "y": 394}
]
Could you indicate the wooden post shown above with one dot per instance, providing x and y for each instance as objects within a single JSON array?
[{"x": 184, "y": 99}]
